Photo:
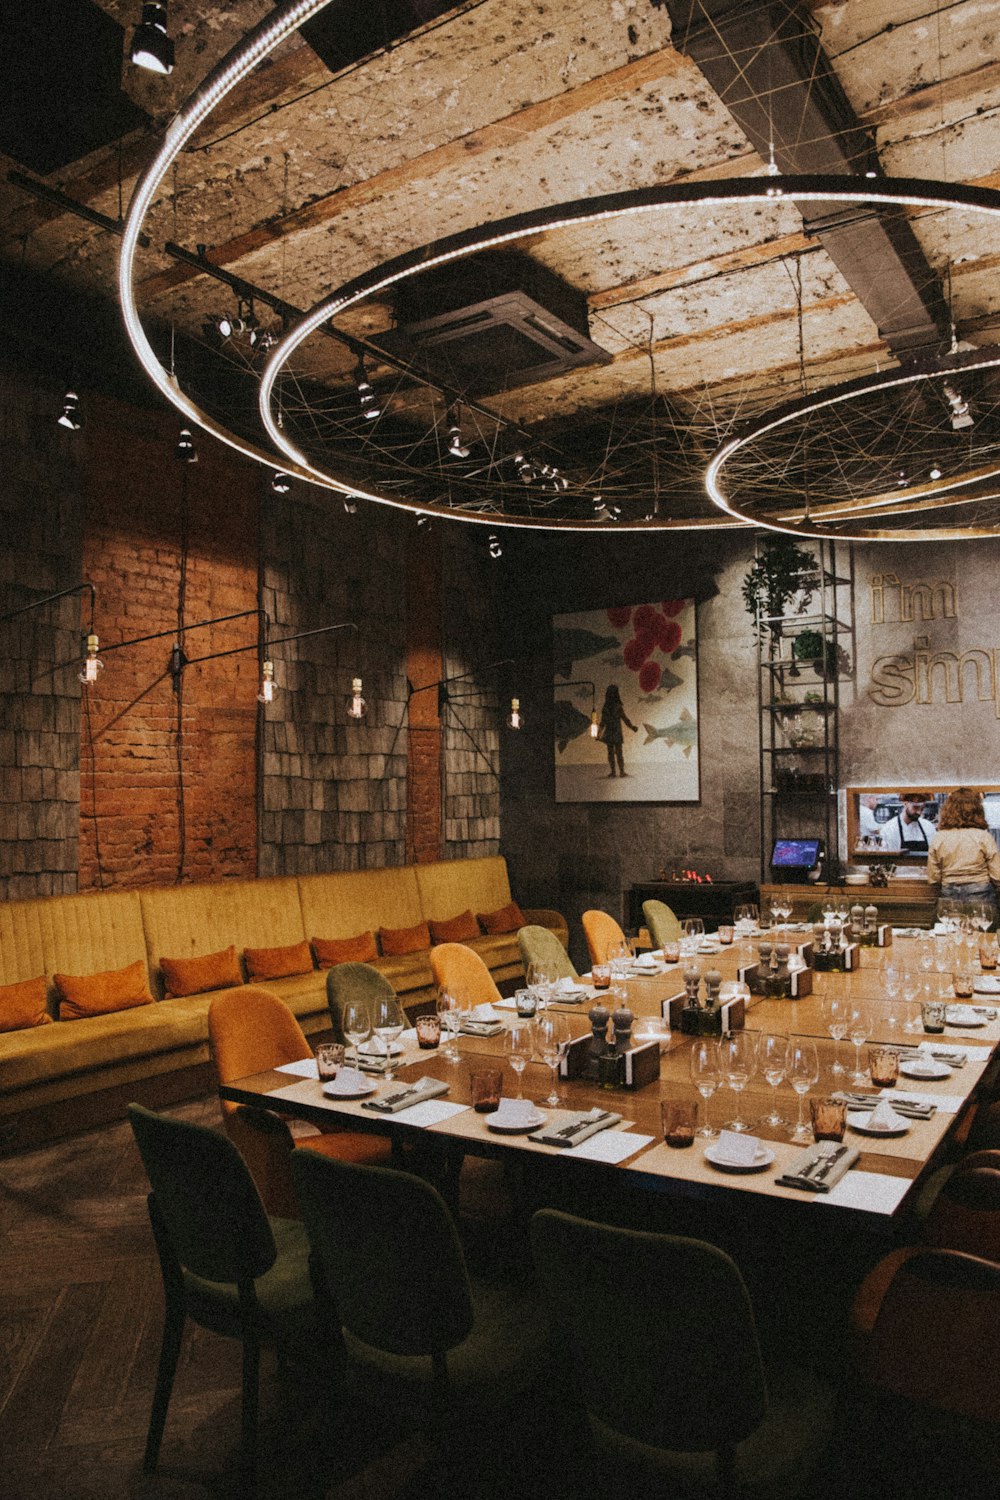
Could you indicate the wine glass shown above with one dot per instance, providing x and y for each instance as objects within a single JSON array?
[
  {"x": 357, "y": 1025},
  {"x": 706, "y": 1075},
  {"x": 836, "y": 1014},
  {"x": 387, "y": 1024},
  {"x": 802, "y": 1071},
  {"x": 519, "y": 1045},
  {"x": 747, "y": 916},
  {"x": 738, "y": 1057},
  {"x": 541, "y": 976},
  {"x": 772, "y": 1059},
  {"x": 693, "y": 929},
  {"x": 448, "y": 1010},
  {"x": 551, "y": 1036},
  {"x": 892, "y": 978},
  {"x": 858, "y": 1027}
]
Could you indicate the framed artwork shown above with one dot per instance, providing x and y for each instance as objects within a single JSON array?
[{"x": 631, "y": 675}]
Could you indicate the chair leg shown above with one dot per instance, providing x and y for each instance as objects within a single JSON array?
[
  {"x": 725, "y": 1462},
  {"x": 170, "y": 1348},
  {"x": 251, "y": 1384}
]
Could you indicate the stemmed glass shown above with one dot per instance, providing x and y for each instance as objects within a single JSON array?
[
  {"x": 706, "y": 1075},
  {"x": 738, "y": 1056},
  {"x": 892, "y": 978},
  {"x": 693, "y": 929},
  {"x": 357, "y": 1025},
  {"x": 772, "y": 1059},
  {"x": 541, "y": 976},
  {"x": 836, "y": 1014},
  {"x": 857, "y": 1029},
  {"x": 551, "y": 1036},
  {"x": 448, "y": 1010},
  {"x": 746, "y": 916},
  {"x": 387, "y": 1025},
  {"x": 519, "y": 1045},
  {"x": 803, "y": 1072}
]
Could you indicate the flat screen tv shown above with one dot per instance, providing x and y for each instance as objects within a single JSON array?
[{"x": 795, "y": 854}]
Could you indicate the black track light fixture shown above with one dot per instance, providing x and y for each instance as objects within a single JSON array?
[
  {"x": 151, "y": 46},
  {"x": 281, "y": 482},
  {"x": 186, "y": 450},
  {"x": 70, "y": 416},
  {"x": 369, "y": 402}
]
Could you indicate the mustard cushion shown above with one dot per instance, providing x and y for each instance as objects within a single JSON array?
[
  {"x": 352, "y": 950},
  {"x": 96, "y": 994},
  {"x": 396, "y": 940},
  {"x": 275, "y": 963},
  {"x": 22, "y": 1006},
  {"x": 194, "y": 976},
  {"x": 507, "y": 919},
  {"x": 455, "y": 929}
]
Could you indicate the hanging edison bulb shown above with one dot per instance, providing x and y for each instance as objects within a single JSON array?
[
  {"x": 266, "y": 694},
  {"x": 356, "y": 705},
  {"x": 595, "y": 725},
  {"x": 515, "y": 719},
  {"x": 92, "y": 663}
]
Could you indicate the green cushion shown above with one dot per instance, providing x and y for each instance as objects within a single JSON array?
[
  {"x": 286, "y": 1310},
  {"x": 539, "y": 945}
]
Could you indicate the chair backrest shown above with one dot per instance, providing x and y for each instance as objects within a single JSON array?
[
  {"x": 937, "y": 1332},
  {"x": 389, "y": 1252},
  {"x": 461, "y": 972},
  {"x": 205, "y": 1197},
  {"x": 251, "y": 1029},
  {"x": 346, "y": 982},
  {"x": 965, "y": 1214},
  {"x": 664, "y": 926},
  {"x": 652, "y": 1327},
  {"x": 539, "y": 945},
  {"x": 602, "y": 933}
]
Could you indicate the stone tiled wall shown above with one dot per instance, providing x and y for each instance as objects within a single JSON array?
[
  {"x": 40, "y": 554},
  {"x": 473, "y": 719}
]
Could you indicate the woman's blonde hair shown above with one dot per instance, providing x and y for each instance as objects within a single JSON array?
[{"x": 962, "y": 808}]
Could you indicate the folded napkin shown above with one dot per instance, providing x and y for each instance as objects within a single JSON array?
[
  {"x": 413, "y": 1093},
  {"x": 819, "y": 1168},
  {"x": 859, "y": 1102},
  {"x": 572, "y": 1132},
  {"x": 566, "y": 991},
  {"x": 482, "y": 1028},
  {"x": 369, "y": 1063},
  {"x": 953, "y": 1056}
]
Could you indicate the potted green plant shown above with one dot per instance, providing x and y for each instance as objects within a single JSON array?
[
  {"x": 809, "y": 646},
  {"x": 780, "y": 573}
]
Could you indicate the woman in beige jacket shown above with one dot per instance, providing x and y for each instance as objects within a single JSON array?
[{"x": 963, "y": 859}]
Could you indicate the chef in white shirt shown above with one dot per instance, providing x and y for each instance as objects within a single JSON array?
[{"x": 908, "y": 832}]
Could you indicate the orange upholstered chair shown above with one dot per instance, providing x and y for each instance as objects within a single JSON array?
[
  {"x": 461, "y": 972},
  {"x": 602, "y": 933},
  {"x": 250, "y": 1030},
  {"x": 965, "y": 1216}
]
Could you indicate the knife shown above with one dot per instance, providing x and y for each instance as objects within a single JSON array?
[{"x": 569, "y": 1130}]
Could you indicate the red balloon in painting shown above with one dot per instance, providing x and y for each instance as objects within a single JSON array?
[
  {"x": 645, "y": 618},
  {"x": 620, "y": 616},
  {"x": 636, "y": 651},
  {"x": 649, "y": 677},
  {"x": 672, "y": 607}
]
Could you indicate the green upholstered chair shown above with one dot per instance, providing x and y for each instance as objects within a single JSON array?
[
  {"x": 660, "y": 1346},
  {"x": 386, "y": 1247},
  {"x": 346, "y": 982},
  {"x": 225, "y": 1264},
  {"x": 539, "y": 945},
  {"x": 663, "y": 926}
]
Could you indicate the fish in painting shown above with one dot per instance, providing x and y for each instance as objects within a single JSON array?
[
  {"x": 683, "y": 732},
  {"x": 569, "y": 646},
  {"x": 569, "y": 723}
]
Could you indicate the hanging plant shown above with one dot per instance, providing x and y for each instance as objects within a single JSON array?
[{"x": 776, "y": 577}]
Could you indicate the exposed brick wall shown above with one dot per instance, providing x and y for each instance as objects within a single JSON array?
[
  {"x": 171, "y": 777},
  {"x": 40, "y": 539}
]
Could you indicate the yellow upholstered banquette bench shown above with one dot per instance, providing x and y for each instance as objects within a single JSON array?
[{"x": 63, "y": 1076}]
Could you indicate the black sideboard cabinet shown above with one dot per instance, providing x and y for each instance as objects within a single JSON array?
[{"x": 714, "y": 902}]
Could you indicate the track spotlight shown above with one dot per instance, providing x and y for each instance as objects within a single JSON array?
[
  {"x": 960, "y": 416},
  {"x": 351, "y": 504},
  {"x": 266, "y": 694},
  {"x": 456, "y": 447},
  {"x": 151, "y": 47},
  {"x": 186, "y": 450},
  {"x": 70, "y": 415},
  {"x": 600, "y": 509},
  {"x": 936, "y": 472},
  {"x": 369, "y": 402},
  {"x": 524, "y": 469},
  {"x": 92, "y": 663},
  {"x": 423, "y": 522},
  {"x": 356, "y": 705},
  {"x": 495, "y": 548},
  {"x": 281, "y": 483}
]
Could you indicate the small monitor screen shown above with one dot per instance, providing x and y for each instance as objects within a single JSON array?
[{"x": 794, "y": 854}]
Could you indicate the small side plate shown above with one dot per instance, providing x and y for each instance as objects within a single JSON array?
[{"x": 763, "y": 1159}]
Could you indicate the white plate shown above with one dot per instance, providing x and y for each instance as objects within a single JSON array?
[
  {"x": 521, "y": 1126},
  {"x": 368, "y": 1050},
  {"x": 987, "y": 984},
  {"x": 355, "y": 1086},
  {"x": 573, "y": 994},
  {"x": 963, "y": 1015},
  {"x": 763, "y": 1159},
  {"x": 924, "y": 1067},
  {"x": 862, "y": 1123}
]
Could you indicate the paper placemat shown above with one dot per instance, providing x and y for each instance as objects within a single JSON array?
[
  {"x": 610, "y": 1146},
  {"x": 948, "y": 1104},
  {"x": 304, "y": 1068},
  {"x": 301, "y": 1093},
  {"x": 428, "y": 1112},
  {"x": 874, "y": 1191}
]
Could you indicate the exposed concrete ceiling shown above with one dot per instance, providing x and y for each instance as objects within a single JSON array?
[{"x": 303, "y": 179}]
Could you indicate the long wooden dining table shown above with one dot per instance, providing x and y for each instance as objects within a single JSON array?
[{"x": 875, "y": 1193}]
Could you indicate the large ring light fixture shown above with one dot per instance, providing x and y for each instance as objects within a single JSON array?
[
  {"x": 794, "y": 514},
  {"x": 255, "y": 47}
]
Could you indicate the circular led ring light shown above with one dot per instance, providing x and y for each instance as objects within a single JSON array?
[
  {"x": 796, "y": 518},
  {"x": 241, "y": 61}
]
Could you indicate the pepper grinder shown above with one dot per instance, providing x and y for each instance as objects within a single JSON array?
[
  {"x": 622, "y": 1020},
  {"x": 713, "y": 984}
]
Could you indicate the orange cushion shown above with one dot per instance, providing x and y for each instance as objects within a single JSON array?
[
  {"x": 352, "y": 950},
  {"x": 193, "y": 976},
  {"x": 456, "y": 929},
  {"x": 278, "y": 963},
  {"x": 507, "y": 919},
  {"x": 23, "y": 1005},
  {"x": 96, "y": 994},
  {"x": 396, "y": 940}
]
